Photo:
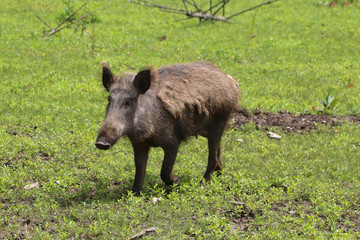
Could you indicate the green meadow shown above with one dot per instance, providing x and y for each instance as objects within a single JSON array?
[{"x": 289, "y": 55}]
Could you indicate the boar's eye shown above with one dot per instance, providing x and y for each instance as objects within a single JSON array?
[{"x": 127, "y": 102}]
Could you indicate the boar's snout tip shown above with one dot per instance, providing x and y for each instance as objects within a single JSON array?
[{"x": 102, "y": 145}]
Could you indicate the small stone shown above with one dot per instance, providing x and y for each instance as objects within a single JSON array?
[
  {"x": 273, "y": 135},
  {"x": 155, "y": 200},
  {"x": 240, "y": 140},
  {"x": 33, "y": 185}
]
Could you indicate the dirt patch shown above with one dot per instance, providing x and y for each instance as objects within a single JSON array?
[
  {"x": 288, "y": 122},
  {"x": 240, "y": 215}
]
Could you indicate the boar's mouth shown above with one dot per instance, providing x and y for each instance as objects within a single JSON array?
[{"x": 102, "y": 144}]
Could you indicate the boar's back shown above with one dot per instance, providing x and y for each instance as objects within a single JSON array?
[{"x": 199, "y": 87}]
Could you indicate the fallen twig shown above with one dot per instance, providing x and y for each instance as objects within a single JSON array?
[{"x": 144, "y": 232}]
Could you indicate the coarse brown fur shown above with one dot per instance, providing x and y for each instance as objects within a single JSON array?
[
  {"x": 165, "y": 106},
  {"x": 199, "y": 87}
]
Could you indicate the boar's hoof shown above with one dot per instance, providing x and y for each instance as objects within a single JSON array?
[
  {"x": 170, "y": 180},
  {"x": 102, "y": 145}
]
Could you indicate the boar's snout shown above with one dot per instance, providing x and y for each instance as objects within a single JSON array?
[
  {"x": 102, "y": 144},
  {"x": 108, "y": 135}
]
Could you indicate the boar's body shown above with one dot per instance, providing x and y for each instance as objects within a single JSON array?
[
  {"x": 182, "y": 102},
  {"x": 170, "y": 104}
]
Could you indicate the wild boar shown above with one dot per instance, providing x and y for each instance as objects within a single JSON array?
[{"x": 163, "y": 107}]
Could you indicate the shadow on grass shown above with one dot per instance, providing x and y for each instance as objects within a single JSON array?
[{"x": 115, "y": 190}]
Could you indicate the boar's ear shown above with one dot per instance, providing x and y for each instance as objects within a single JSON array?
[
  {"x": 142, "y": 81},
  {"x": 108, "y": 77}
]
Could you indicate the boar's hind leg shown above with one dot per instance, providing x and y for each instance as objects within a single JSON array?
[
  {"x": 214, "y": 137},
  {"x": 168, "y": 164},
  {"x": 141, "y": 156}
]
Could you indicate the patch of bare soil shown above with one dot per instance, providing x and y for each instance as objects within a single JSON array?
[
  {"x": 288, "y": 122},
  {"x": 240, "y": 215}
]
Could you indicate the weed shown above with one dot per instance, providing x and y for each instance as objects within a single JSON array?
[
  {"x": 73, "y": 15},
  {"x": 329, "y": 102}
]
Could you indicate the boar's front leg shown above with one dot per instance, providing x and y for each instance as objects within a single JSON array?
[
  {"x": 141, "y": 155},
  {"x": 168, "y": 164},
  {"x": 218, "y": 167}
]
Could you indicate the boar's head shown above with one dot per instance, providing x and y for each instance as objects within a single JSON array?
[{"x": 123, "y": 101}]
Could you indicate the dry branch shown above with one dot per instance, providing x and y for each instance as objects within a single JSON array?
[
  {"x": 208, "y": 15},
  {"x": 252, "y": 8},
  {"x": 149, "y": 4},
  {"x": 224, "y": 2}
]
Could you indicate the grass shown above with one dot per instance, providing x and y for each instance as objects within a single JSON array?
[{"x": 288, "y": 55}]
